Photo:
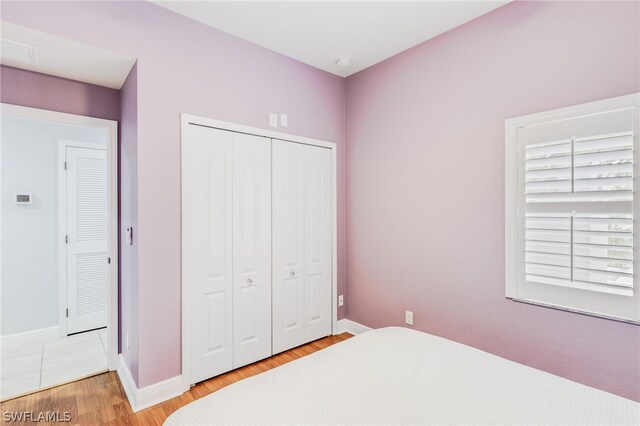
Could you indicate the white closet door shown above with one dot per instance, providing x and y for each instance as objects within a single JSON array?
[
  {"x": 302, "y": 259},
  {"x": 87, "y": 277},
  {"x": 288, "y": 245},
  {"x": 317, "y": 247},
  {"x": 251, "y": 249},
  {"x": 207, "y": 249}
]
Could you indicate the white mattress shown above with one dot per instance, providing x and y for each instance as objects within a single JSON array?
[{"x": 400, "y": 376}]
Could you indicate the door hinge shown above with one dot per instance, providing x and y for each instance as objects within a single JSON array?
[
  {"x": 66, "y": 239},
  {"x": 65, "y": 165},
  {"x": 67, "y": 312},
  {"x": 108, "y": 261}
]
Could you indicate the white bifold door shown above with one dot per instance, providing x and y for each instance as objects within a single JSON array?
[
  {"x": 226, "y": 249},
  {"x": 86, "y": 239},
  {"x": 302, "y": 241}
]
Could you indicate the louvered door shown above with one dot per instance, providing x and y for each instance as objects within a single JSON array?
[
  {"x": 87, "y": 277},
  {"x": 578, "y": 240}
]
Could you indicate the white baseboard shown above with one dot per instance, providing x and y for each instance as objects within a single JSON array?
[
  {"x": 348, "y": 326},
  {"x": 139, "y": 399},
  {"x": 32, "y": 337}
]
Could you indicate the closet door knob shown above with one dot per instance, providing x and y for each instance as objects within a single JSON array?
[
  {"x": 292, "y": 274},
  {"x": 249, "y": 281}
]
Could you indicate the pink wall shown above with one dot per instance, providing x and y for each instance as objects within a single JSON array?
[
  {"x": 442, "y": 105},
  {"x": 128, "y": 295},
  {"x": 32, "y": 89},
  {"x": 184, "y": 66},
  {"x": 425, "y": 179}
]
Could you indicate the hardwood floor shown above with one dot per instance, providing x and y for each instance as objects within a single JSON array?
[{"x": 100, "y": 400}]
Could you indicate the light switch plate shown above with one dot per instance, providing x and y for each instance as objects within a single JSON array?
[
  {"x": 284, "y": 120},
  {"x": 130, "y": 236},
  {"x": 273, "y": 119}
]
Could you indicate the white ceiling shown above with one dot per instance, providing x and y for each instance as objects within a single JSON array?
[
  {"x": 318, "y": 33},
  {"x": 314, "y": 32},
  {"x": 58, "y": 56}
]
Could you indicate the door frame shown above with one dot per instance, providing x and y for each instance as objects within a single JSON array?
[
  {"x": 111, "y": 128},
  {"x": 62, "y": 225},
  {"x": 188, "y": 119}
]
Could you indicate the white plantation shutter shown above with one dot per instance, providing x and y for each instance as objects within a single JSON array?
[
  {"x": 582, "y": 250},
  {"x": 575, "y": 200}
]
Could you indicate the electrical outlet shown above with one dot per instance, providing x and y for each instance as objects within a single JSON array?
[
  {"x": 283, "y": 119},
  {"x": 408, "y": 317},
  {"x": 273, "y": 119},
  {"x": 128, "y": 341},
  {"x": 340, "y": 300}
]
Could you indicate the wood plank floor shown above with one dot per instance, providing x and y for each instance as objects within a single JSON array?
[{"x": 100, "y": 400}]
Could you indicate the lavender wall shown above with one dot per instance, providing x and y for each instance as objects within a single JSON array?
[
  {"x": 128, "y": 193},
  {"x": 425, "y": 178},
  {"x": 32, "y": 89},
  {"x": 184, "y": 66}
]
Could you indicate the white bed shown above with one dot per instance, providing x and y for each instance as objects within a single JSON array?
[{"x": 400, "y": 376}]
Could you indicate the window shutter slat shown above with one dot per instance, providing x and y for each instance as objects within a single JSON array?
[
  {"x": 548, "y": 236},
  {"x": 603, "y": 143},
  {"x": 604, "y": 184},
  {"x": 550, "y": 259},
  {"x": 546, "y": 247},
  {"x": 552, "y": 163},
  {"x": 549, "y": 175},
  {"x": 548, "y": 271},
  {"x": 603, "y": 171},
  {"x": 562, "y": 223},
  {"x": 605, "y": 265},
  {"x": 603, "y": 252},
  {"x": 598, "y": 277},
  {"x": 549, "y": 186}
]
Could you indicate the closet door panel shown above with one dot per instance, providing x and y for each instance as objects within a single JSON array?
[
  {"x": 251, "y": 248},
  {"x": 288, "y": 245},
  {"x": 207, "y": 243},
  {"x": 318, "y": 243}
]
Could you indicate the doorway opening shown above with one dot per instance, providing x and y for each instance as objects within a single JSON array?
[{"x": 58, "y": 258}]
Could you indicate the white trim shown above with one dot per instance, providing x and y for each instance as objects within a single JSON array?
[
  {"x": 111, "y": 127},
  {"x": 185, "y": 120},
  {"x": 158, "y": 392},
  {"x": 146, "y": 397},
  {"x": 511, "y": 205},
  {"x": 128, "y": 384},
  {"x": 62, "y": 225},
  {"x": 351, "y": 327},
  {"x": 334, "y": 237},
  {"x": 186, "y": 333},
  {"x": 512, "y": 213},
  {"x": 234, "y": 127},
  {"x": 31, "y": 337},
  {"x": 589, "y": 108}
]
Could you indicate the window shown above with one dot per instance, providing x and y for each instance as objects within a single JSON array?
[{"x": 571, "y": 208}]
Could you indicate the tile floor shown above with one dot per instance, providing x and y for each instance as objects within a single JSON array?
[{"x": 41, "y": 366}]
